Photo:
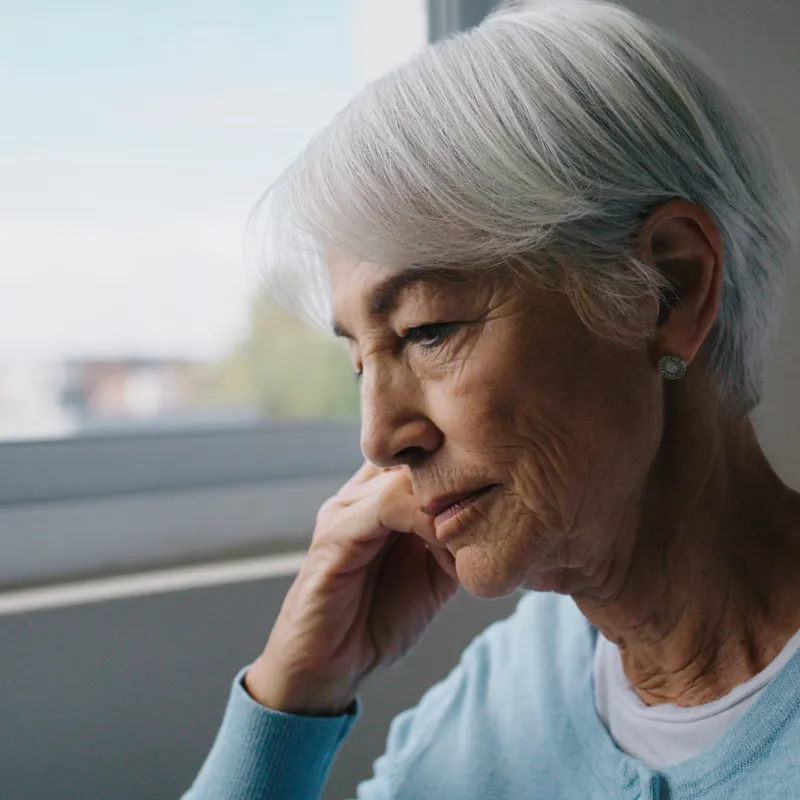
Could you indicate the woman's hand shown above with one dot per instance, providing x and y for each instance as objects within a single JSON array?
[{"x": 373, "y": 579}]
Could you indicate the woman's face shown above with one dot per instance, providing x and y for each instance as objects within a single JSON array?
[{"x": 483, "y": 383}]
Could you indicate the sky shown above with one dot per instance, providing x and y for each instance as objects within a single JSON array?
[{"x": 137, "y": 135}]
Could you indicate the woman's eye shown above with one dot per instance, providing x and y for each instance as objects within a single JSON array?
[{"x": 430, "y": 336}]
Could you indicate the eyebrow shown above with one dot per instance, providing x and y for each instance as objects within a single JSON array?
[{"x": 384, "y": 296}]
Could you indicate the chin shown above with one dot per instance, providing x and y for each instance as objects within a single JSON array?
[
  {"x": 483, "y": 577},
  {"x": 489, "y": 576}
]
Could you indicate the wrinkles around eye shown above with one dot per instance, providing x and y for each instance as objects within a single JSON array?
[{"x": 430, "y": 335}]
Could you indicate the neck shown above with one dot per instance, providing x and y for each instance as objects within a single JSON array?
[{"x": 707, "y": 594}]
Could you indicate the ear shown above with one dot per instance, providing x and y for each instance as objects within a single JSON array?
[{"x": 681, "y": 240}]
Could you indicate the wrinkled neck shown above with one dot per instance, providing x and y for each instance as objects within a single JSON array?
[{"x": 707, "y": 595}]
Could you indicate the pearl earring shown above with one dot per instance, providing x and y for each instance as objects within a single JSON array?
[{"x": 672, "y": 368}]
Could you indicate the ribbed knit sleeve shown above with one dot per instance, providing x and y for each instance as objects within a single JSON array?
[{"x": 260, "y": 754}]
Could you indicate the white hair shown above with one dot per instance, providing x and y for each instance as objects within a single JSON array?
[{"x": 543, "y": 138}]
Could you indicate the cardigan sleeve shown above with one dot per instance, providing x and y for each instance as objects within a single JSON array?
[{"x": 261, "y": 754}]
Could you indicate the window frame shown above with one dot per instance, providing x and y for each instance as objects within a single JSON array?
[
  {"x": 102, "y": 505},
  {"x": 446, "y": 17},
  {"x": 94, "y": 466}
]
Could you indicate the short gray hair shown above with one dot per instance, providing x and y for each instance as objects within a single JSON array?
[{"x": 543, "y": 138}]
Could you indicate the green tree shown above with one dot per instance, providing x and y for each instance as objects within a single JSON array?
[{"x": 284, "y": 368}]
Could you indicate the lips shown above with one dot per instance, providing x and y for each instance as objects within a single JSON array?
[{"x": 441, "y": 504}]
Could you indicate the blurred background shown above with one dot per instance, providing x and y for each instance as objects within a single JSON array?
[
  {"x": 137, "y": 138},
  {"x": 166, "y": 432}
]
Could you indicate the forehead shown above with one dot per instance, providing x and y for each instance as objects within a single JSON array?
[
  {"x": 352, "y": 280},
  {"x": 376, "y": 290}
]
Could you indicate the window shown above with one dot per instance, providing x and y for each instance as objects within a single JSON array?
[
  {"x": 145, "y": 384},
  {"x": 137, "y": 136}
]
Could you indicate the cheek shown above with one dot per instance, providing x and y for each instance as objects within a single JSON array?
[
  {"x": 474, "y": 408},
  {"x": 546, "y": 472},
  {"x": 584, "y": 434},
  {"x": 569, "y": 422}
]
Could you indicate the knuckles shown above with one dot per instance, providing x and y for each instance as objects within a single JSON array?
[{"x": 327, "y": 512}]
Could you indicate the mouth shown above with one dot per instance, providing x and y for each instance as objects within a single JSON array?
[{"x": 446, "y": 508}]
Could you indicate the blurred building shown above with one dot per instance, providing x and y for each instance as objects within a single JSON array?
[
  {"x": 30, "y": 403},
  {"x": 127, "y": 388},
  {"x": 79, "y": 396}
]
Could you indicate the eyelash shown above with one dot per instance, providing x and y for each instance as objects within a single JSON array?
[
  {"x": 427, "y": 337},
  {"x": 422, "y": 335}
]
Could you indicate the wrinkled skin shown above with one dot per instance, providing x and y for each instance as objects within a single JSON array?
[
  {"x": 650, "y": 503},
  {"x": 516, "y": 392},
  {"x": 367, "y": 590}
]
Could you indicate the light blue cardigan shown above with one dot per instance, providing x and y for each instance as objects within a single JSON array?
[{"x": 515, "y": 719}]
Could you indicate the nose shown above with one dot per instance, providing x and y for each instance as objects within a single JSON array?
[{"x": 395, "y": 426}]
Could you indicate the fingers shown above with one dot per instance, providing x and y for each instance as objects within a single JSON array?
[
  {"x": 365, "y": 481},
  {"x": 375, "y": 502},
  {"x": 400, "y": 511},
  {"x": 391, "y": 492},
  {"x": 443, "y": 584},
  {"x": 444, "y": 558}
]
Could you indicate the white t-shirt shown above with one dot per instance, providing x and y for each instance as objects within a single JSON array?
[{"x": 666, "y": 734}]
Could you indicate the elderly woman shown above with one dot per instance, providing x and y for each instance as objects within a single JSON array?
[{"x": 555, "y": 246}]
